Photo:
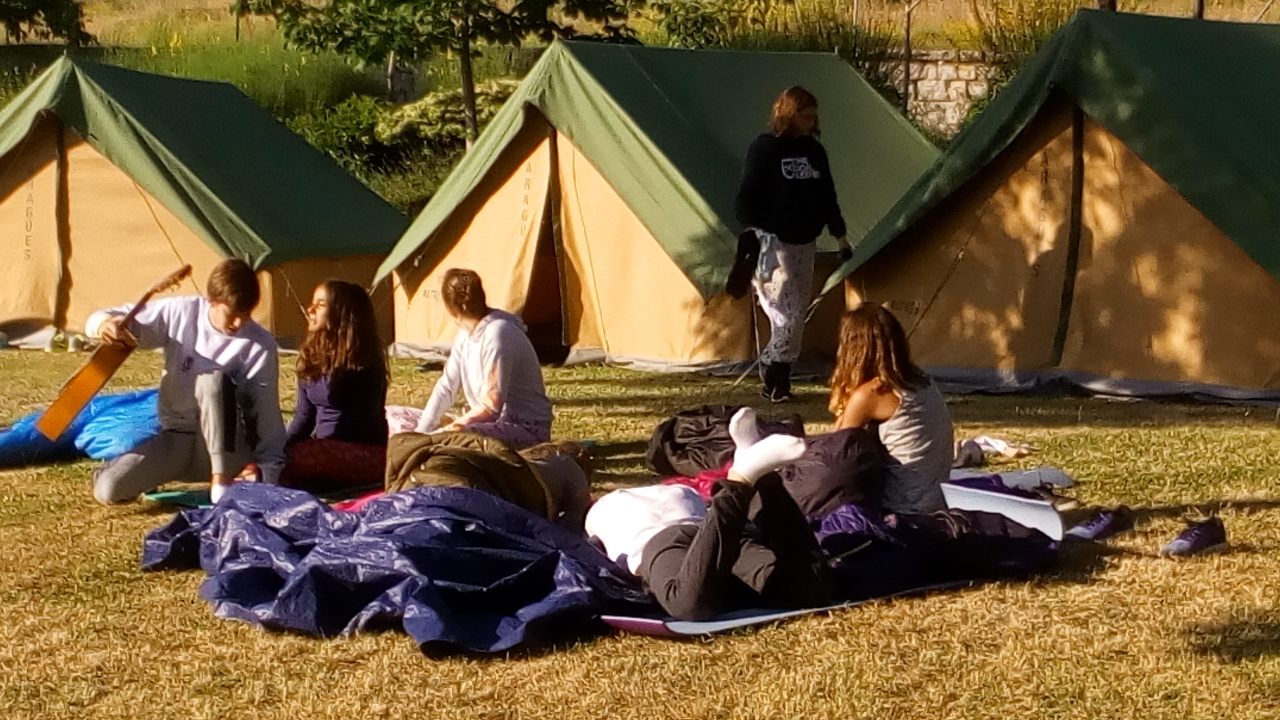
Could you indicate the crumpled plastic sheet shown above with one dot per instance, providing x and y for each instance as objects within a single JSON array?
[
  {"x": 109, "y": 426},
  {"x": 451, "y": 566}
]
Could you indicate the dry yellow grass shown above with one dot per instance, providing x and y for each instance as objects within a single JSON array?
[{"x": 1115, "y": 633}]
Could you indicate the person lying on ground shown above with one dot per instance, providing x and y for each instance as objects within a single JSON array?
[
  {"x": 699, "y": 559},
  {"x": 494, "y": 364},
  {"x": 552, "y": 480},
  {"x": 337, "y": 439},
  {"x": 875, "y": 384},
  {"x": 219, "y": 401}
]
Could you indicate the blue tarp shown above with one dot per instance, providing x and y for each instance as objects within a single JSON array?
[
  {"x": 451, "y": 566},
  {"x": 109, "y": 426}
]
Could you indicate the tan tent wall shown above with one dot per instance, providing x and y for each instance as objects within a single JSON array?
[
  {"x": 978, "y": 284},
  {"x": 622, "y": 296},
  {"x": 30, "y": 261},
  {"x": 494, "y": 232},
  {"x": 121, "y": 240},
  {"x": 287, "y": 289},
  {"x": 1161, "y": 294},
  {"x": 624, "y": 293}
]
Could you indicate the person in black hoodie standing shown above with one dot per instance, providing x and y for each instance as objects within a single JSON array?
[{"x": 786, "y": 197}]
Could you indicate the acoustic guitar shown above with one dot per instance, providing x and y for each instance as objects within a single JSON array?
[{"x": 94, "y": 374}]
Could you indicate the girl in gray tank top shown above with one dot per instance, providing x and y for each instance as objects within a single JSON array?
[{"x": 875, "y": 382}]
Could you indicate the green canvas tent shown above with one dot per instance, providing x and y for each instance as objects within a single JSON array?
[
  {"x": 112, "y": 178},
  {"x": 1110, "y": 220},
  {"x": 598, "y": 202}
]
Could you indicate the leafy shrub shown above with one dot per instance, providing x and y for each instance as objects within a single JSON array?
[
  {"x": 435, "y": 123},
  {"x": 348, "y": 133},
  {"x": 694, "y": 24},
  {"x": 403, "y": 153}
]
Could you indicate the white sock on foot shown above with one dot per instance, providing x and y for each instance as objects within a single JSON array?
[
  {"x": 762, "y": 458},
  {"x": 217, "y": 490},
  {"x": 743, "y": 428}
]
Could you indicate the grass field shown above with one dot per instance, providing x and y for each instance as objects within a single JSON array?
[{"x": 1115, "y": 633}]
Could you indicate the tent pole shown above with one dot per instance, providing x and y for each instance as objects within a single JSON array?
[
  {"x": 1074, "y": 231},
  {"x": 62, "y": 224}
]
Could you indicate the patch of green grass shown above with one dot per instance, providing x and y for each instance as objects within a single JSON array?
[{"x": 1115, "y": 632}]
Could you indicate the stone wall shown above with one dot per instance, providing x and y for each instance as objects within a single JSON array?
[{"x": 944, "y": 84}]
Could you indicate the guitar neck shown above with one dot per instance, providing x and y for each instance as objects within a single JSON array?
[{"x": 137, "y": 307}]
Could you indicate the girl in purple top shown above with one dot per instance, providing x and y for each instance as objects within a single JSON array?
[{"x": 338, "y": 437}]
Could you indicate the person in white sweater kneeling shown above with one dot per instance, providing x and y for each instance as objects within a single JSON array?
[
  {"x": 219, "y": 394},
  {"x": 495, "y": 366}
]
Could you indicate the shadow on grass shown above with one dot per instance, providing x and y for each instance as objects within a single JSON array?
[
  {"x": 559, "y": 635},
  {"x": 1214, "y": 507},
  {"x": 1256, "y": 636}
]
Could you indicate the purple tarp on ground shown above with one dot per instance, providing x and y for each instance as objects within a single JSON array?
[{"x": 450, "y": 566}]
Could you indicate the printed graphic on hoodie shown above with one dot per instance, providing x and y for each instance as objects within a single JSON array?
[{"x": 798, "y": 168}]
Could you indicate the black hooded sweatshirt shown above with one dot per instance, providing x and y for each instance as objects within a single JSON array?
[{"x": 787, "y": 189}]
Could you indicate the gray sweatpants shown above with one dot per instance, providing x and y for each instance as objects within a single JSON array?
[{"x": 220, "y": 446}]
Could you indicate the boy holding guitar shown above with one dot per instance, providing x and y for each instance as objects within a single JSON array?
[{"x": 219, "y": 394}]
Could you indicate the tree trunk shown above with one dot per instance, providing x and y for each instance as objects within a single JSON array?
[
  {"x": 401, "y": 80},
  {"x": 468, "y": 83},
  {"x": 906, "y": 59},
  {"x": 1197, "y": 9},
  {"x": 1107, "y": 5}
]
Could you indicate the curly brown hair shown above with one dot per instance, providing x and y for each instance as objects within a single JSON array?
[
  {"x": 872, "y": 345},
  {"x": 349, "y": 341},
  {"x": 789, "y": 104}
]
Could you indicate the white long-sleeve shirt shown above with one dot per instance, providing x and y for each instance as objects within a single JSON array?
[
  {"x": 497, "y": 370},
  {"x": 625, "y": 520},
  {"x": 192, "y": 346}
]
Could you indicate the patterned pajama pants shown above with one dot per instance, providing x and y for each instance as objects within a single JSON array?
[{"x": 784, "y": 283}]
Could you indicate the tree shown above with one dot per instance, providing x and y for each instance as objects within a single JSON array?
[
  {"x": 397, "y": 32},
  {"x": 44, "y": 19}
]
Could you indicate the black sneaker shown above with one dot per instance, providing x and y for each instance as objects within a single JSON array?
[
  {"x": 1103, "y": 525},
  {"x": 776, "y": 395}
]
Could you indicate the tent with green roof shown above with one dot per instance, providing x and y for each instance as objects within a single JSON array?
[
  {"x": 1111, "y": 220},
  {"x": 598, "y": 203},
  {"x": 110, "y": 179}
]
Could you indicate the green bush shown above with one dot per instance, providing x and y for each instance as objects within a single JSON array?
[
  {"x": 403, "y": 153},
  {"x": 348, "y": 133},
  {"x": 435, "y": 123},
  {"x": 410, "y": 186},
  {"x": 694, "y": 24}
]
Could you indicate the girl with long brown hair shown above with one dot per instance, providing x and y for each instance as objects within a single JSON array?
[
  {"x": 876, "y": 383},
  {"x": 786, "y": 197},
  {"x": 338, "y": 436}
]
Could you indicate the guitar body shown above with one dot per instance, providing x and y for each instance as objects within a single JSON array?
[
  {"x": 93, "y": 375},
  {"x": 81, "y": 387}
]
